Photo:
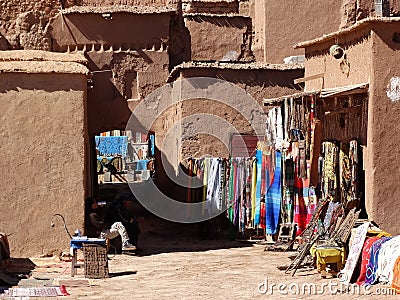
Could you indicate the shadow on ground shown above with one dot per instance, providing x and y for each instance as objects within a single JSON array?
[{"x": 15, "y": 269}]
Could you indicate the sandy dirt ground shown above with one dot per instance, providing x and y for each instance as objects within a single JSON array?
[{"x": 175, "y": 266}]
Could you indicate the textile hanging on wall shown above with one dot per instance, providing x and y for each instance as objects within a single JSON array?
[
  {"x": 112, "y": 145},
  {"x": 329, "y": 176},
  {"x": 273, "y": 199},
  {"x": 253, "y": 190},
  {"x": 206, "y": 170},
  {"x": 287, "y": 186},
  {"x": 315, "y": 147},
  {"x": 345, "y": 173},
  {"x": 249, "y": 173},
  {"x": 213, "y": 186},
  {"x": 258, "y": 187},
  {"x": 274, "y": 124},
  {"x": 300, "y": 208},
  {"x": 353, "y": 159}
]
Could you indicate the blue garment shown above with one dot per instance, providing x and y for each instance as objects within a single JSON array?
[
  {"x": 372, "y": 266},
  {"x": 142, "y": 164},
  {"x": 273, "y": 199},
  {"x": 151, "y": 138},
  {"x": 112, "y": 145},
  {"x": 258, "y": 187}
]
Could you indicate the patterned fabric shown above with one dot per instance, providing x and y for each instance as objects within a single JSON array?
[
  {"x": 372, "y": 266},
  {"x": 328, "y": 215},
  {"x": 253, "y": 191},
  {"x": 353, "y": 158},
  {"x": 112, "y": 145},
  {"x": 366, "y": 254},
  {"x": 262, "y": 215},
  {"x": 249, "y": 172},
  {"x": 345, "y": 173},
  {"x": 273, "y": 199},
  {"x": 387, "y": 258},
  {"x": 214, "y": 186},
  {"x": 300, "y": 184},
  {"x": 258, "y": 187},
  {"x": 288, "y": 190},
  {"x": 329, "y": 180},
  {"x": 315, "y": 146},
  {"x": 206, "y": 168},
  {"x": 312, "y": 202}
]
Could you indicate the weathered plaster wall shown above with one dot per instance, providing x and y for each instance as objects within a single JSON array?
[
  {"x": 124, "y": 31},
  {"x": 109, "y": 106},
  {"x": 355, "y": 10},
  {"x": 219, "y": 38},
  {"x": 35, "y": 15},
  {"x": 43, "y": 138},
  {"x": 357, "y": 46},
  {"x": 258, "y": 12},
  {"x": 293, "y": 22},
  {"x": 383, "y": 190},
  {"x": 125, "y": 67},
  {"x": 259, "y": 84}
]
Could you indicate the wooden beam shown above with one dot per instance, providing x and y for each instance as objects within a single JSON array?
[{"x": 312, "y": 77}]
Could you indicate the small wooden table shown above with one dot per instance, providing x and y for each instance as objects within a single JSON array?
[{"x": 77, "y": 243}]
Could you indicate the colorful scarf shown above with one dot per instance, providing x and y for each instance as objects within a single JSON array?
[
  {"x": 273, "y": 199},
  {"x": 372, "y": 266},
  {"x": 366, "y": 254},
  {"x": 387, "y": 258},
  {"x": 258, "y": 187}
]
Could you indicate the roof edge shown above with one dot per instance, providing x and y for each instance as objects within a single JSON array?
[
  {"x": 232, "y": 66},
  {"x": 137, "y": 9},
  {"x": 361, "y": 24}
]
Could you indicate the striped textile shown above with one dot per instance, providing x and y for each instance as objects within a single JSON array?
[
  {"x": 370, "y": 274},
  {"x": 273, "y": 199},
  {"x": 287, "y": 208},
  {"x": 253, "y": 190},
  {"x": 231, "y": 195},
  {"x": 387, "y": 258},
  {"x": 366, "y": 254},
  {"x": 249, "y": 172},
  {"x": 262, "y": 215},
  {"x": 258, "y": 187},
  {"x": 300, "y": 208}
]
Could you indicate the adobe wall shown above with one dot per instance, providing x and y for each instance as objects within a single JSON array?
[
  {"x": 43, "y": 148},
  {"x": 355, "y": 10},
  {"x": 372, "y": 60},
  {"x": 24, "y": 23},
  {"x": 384, "y": 188},
  {"x": 357, "y": 46},
  {"x": 259, "y": 84},
  {"x": 125, "y": 67},
  {"x": 293, "y": 22},
  {"x": 226, "y": 38}
]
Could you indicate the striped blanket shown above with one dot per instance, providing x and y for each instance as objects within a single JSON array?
[{"x": 273, "y": 199}]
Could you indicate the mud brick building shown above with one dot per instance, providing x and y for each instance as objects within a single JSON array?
[{"x": 71, "y": 69}]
